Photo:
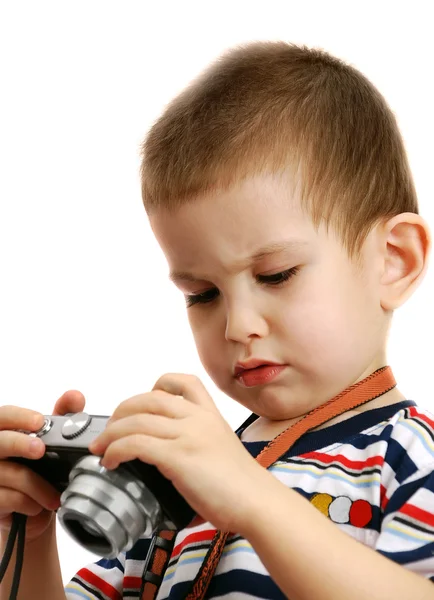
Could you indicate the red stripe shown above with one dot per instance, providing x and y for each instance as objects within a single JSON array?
[
  {"x": 132, "y": 583},
  {"x": 415, "y": 413},
  {"x": 99, "y": 584},
  {"x": 383, "y": 498},
  {"x": 346, "y": 462},
  {"x": 194, "y": 538},
  {"x": 418, "y": 513}
]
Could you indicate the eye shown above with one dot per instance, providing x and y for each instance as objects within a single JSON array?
[
  {"x": 203, "y": 298},
  {"x": 274, "y": 280},
  {"x": 278, "y": 278}
]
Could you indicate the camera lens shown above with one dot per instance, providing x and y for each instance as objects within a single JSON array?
[
  {"x": 88, "y": 536},
  {"x": 91, "y": 528},
  {"x": 107, "y": 511}
]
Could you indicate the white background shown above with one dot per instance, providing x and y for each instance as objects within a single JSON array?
[{"x": 85, "y": 300}]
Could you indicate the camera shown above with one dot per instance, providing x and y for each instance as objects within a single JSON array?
[{"x": 105, "y": 511}]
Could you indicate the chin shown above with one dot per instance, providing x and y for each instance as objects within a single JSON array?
[{"x": 272, "y": 412}]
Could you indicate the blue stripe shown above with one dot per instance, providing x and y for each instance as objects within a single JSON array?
[
  {"x": 112, "y": 563},
  {"x": 139, "y": 550},
  {"x": 406, "y": 491},
  {"x": 257, "y": 585},
  {"x": 78, "y": 593},
  {"x": 327, "y": 475},
  {"x": 414, "y": 427},
  {"x": 399, "y": 461},
  {"x": 404, "y": 557},
  {"x": 407, "y": 536},
  {"x": 236, "y": 581},
  {"x": 196, "y": 559}
]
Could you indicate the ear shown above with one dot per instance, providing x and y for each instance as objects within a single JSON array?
[{"x": 406, "y": 248}]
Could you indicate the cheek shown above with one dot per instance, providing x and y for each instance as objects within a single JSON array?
[
  {"x": 323, "y": 319},
  {"x": 206, "y": 339}
]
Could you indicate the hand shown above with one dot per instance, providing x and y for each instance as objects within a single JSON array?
[
  {"x": 177, "y": 428},
  {"x": 22, "y": 490}
]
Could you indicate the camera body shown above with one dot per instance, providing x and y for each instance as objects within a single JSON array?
[{"x": 106, "y": 511}]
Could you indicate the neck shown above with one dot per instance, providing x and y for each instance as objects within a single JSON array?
[{"x": 264, "y": 429}]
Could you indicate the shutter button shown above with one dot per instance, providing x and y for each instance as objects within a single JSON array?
[
  {"x": 48, "y": 423},
  {"x": 75, "y": 425}
]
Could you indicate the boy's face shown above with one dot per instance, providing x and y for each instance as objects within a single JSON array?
[{"x": 325, "y": 323}]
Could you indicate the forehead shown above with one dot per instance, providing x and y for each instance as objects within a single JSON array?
[{"x": 252, "y": 220}]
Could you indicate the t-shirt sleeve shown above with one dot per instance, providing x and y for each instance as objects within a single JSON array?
[
  {"x": 103, "y": 579},
  {"x": 407, "y": 531}
]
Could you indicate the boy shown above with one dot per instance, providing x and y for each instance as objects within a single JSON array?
[{"x": 278, "y": 188}]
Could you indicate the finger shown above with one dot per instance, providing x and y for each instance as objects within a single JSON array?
[
  {"x": 71, "y": 401},
  {"x": 147, "y": 424},
  {"x": 149, "y": 450},
  {"x": 22, "y": 479},
  {"x": 15, "y": 501},
  {"x": 189, "y": 387},
  {"x": 156, "y": 403},
  {"x": 37, "y": 523},
  {"x": 15, "y": 417},
  {"x": 13, "y": 443}
]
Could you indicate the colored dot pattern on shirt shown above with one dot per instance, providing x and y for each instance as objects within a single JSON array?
[{"x": 343, "y": 510}]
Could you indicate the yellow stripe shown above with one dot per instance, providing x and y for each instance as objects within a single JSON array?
[
  {"x": 72, "y": 586},
  {"x": 185, "y": 556},
  {"x": 410, "y": 533},
  {"x": 202, "y": 553},
  {"x": 238, "y": 544},
  {"x": 421, "y": 431},
  {"x": 349, "y": 478}
]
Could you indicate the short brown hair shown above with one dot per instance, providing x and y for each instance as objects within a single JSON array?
[{"x": 274, "y": 107}]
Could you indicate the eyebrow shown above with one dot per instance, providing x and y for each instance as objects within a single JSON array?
[{"x": 261, "y": 253}]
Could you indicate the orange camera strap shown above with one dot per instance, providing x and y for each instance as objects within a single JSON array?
[
  {"x": 373, "y": 386},
  {"x": 158, "y": 558}
]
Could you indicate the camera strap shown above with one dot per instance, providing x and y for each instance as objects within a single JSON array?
[
  {"x": 378, "y": 383},
  {"x": 18, "y": 530},
  {"x": 156, "y": 563}
]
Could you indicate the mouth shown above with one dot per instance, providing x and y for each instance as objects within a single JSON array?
[
  {"x": 260, "y": 375},
  {"x": 252, "y": 365}
]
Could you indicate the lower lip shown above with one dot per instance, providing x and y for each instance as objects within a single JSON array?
[{"x": 260, "y": 375}]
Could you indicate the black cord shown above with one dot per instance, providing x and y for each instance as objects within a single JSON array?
[
  {"x": 9, "y": 548},
  {"x": 18, "y": 529},
  {"x": 20, "y": 555}
]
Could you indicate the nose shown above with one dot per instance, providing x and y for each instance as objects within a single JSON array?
[{"x": 244, "y": 322}]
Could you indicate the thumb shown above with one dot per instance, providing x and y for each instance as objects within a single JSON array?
[{"x": 71, "y": 401}]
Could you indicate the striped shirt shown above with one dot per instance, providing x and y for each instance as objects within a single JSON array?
[{"x": 372, "y": 475}]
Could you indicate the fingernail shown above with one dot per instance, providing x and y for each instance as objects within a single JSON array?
[
  {"x": 107, "y": 463},
  {"x": 54, "y": 504},
  {"x": 35, "y": 446}
]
